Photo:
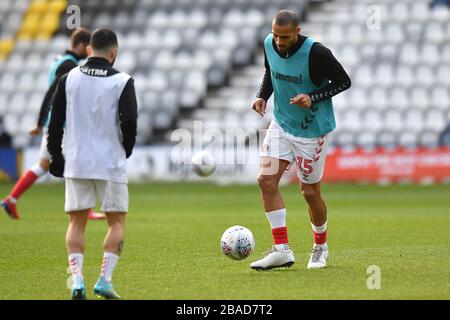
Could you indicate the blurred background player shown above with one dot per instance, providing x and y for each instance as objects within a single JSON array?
[
  {"x": 62, "y": 65},
  {"x": 303, "y": 75},
  {"x": 98, "y": 105},
  {"x": 5, "y": 138}
]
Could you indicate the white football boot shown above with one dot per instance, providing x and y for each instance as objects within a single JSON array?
[
  {"x": 275, "y": 258},
  {"x": 318, "y": 258}
]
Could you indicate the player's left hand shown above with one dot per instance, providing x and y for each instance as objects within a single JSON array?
[
  {"x": 57, "y": 166},
  {"x": 35, "y": 131},
  {"x": 302, "y": 100}
]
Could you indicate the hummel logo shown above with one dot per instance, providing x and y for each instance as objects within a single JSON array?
[
  {"x": 288, "y": 78},
  {"x": 307, "y": 121},
  {"x": 309, "y": 118}
]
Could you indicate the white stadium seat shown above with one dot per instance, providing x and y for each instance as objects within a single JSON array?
[
  {"x": 414, "y": 121},
  {"x": 393, "y": 121}
]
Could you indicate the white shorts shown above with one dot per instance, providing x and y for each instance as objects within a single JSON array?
[
  {"x": 81, "y": 194},
  {"x": 43, "y": 152},
  {"x": 308, "y": 153}
]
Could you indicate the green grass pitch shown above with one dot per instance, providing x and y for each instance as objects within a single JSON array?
[{"x": 172, "y": 244}]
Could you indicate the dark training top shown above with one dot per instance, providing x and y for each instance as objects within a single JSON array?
[
  {"x": 46, "y": 105},
  {"x": 127, "y": 107},
  {"x": 322, "y": 65}
]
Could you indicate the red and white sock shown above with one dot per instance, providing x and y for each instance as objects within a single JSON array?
[
  {"x": 320, "y": 234},
  {"x": 277, "y": 221},
  {"x": 109, "y": 264},
  {"x": 26, "y": 181},
  {"x": 76, "y": 266}
]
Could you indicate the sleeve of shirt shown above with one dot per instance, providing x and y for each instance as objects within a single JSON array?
[
  {"x": 128, "y": 117},
  {"x": 57, "y": 120},
  {"x": 325, "y": 66},
  {"x": 266, "y": 87},
  {"x": 47, "y": 102}
]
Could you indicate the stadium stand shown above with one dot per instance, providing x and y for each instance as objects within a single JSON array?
[
  {"x": 202, "y": 60},
  {"x": 400, "y": 72},
  {"x": 401, "y": 66}
]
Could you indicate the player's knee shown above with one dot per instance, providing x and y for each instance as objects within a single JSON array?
[
  {"x": 77, "y": 229},
  {"x": 45, "y": 165},
  {"x": 116, "y": 219},
  {"x": 267, "y": 184}
]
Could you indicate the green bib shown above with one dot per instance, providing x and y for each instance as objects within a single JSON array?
[{"x": 290, "y": 77}]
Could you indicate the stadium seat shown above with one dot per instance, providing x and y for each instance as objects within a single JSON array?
[
  {"x": 4, "y": 104},
  {"x": 378, "y": 99},
  {"x": 394, "y": 33},
  {"x": 414, "y": 121},
  {"x": 404, "y": 76},
  {"x": 399, "y": 98},
  {"x": 387, "y": 139},
  {"x": 429, "y": 139},
  {"x": 409, "y": 54},
  {"x": 393, "y": 121},
  {"x": 443, "y": 75},
  {"x": 345, "y": 139},
  {"x": 440, "y": 98},
  {"x": 420, "y": 11},
  {"x": 162, "y": 120},
  {"x": 435, "y": 121},
  {"x": 372, "y": 121},
  {"x": 419, "y": 98},
  {"x": 414, "y": 30},
  {"x": 367, "y": 139},
  {"x": 6, "y": 46},
  {"x": 408, "y": 139}
]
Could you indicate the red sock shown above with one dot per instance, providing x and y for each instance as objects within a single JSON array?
[
  {"x": 320, "y": 238},
  {"x": 280, "y": 235},
  {"x": 23, "y": 184}
]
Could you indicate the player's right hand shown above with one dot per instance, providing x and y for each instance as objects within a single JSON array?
[
  {"x": 36, "y": 131},
  {"x": 259, "y": 105}
]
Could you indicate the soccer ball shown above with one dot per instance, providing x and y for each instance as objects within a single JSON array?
[
  {"x": 203, "y": 163},
  {"x": 237, "y": 243}
]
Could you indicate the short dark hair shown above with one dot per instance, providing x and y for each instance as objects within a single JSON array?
[
  {"x": 286, "y": 17},
  {"x": 80, "y": 35},
  {"x": 104, "y": 39}
]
